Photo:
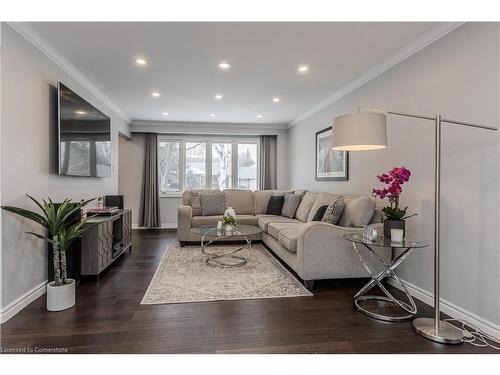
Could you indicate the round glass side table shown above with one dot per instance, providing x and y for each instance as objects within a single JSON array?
[
  {"x": 409, "y": 308},
  {"x": 228, "y": 259}
]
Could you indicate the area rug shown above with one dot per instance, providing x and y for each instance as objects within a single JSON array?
[{"x": 183, "y": 276}]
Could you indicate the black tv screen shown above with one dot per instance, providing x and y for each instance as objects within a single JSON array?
[{"x": 84, "y": 137}]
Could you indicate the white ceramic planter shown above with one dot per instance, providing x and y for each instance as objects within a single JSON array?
[{"x": 60, "y": 297}]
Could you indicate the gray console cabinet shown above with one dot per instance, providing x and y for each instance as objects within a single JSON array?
[{"x": 98, "y": 240}]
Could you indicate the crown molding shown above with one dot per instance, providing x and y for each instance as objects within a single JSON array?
[
  {"x": 407, "y": 51},
  {"x": 138, "y": 126},
  {"x": 32, "y": 36}
]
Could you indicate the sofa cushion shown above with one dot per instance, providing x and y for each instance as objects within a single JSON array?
[
  {"x": 318, "y": 216},
  {"x": 321, "y": 200},
  {"x": 199, "y": 221},
  {"x": 275, "y": 205},
  {"x": 334, "y": 211},
  {"x": 212, "y": 204},
  {"x": 275, "y": 228},
  {"x": 357, "y": 211},
  {"x": 241, "y": 201},
  {"x": 290, "y": 205},
  {"x": 265, "y": 220},
  {"x": 305, "y": 206},
  {"x": 261, "y": 199},
  {"x": 288, "y": 239}
]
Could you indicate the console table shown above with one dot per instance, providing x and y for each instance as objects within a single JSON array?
[{"x": 105, "y": 241}]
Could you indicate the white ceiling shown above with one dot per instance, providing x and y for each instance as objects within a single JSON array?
[{"x": 183, "y": 57}]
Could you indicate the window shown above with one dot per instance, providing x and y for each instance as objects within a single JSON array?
[
  {"x": 213, "y": 163},
  {"x": 169, "y": 161},
  {"x": 196, "y": 165},
  {"x": 221, "y": 166},
  {"x": 247, "y": 166}
]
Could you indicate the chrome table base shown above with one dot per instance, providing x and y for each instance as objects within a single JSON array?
[
  {"x": 231, "y": 259},
  {"x": 445, "y": 334},
  {"x": 410, "y": 308}
]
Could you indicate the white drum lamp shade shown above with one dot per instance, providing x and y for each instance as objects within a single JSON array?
[{"x": 359, "y": 132}]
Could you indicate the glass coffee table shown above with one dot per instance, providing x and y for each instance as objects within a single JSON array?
[
  {"x": 228, "y": 259},
  {"x": 409, "y": 308}
]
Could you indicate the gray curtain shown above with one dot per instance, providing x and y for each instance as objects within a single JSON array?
[
  {"x": 268, "y": 145},
  {"x": 149, "y": 215}
]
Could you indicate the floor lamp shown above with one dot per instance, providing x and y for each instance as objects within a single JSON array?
[{"x": 367, "y": 130}]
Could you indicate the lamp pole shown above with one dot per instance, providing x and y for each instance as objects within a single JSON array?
[{"x": 434, "y": 328}]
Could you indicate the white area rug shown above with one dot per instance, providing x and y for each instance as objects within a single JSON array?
[{"x": 183, "y": 276}]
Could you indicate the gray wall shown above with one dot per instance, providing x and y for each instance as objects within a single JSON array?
[
  {"x": 131, "y": 157},
  {"x": 27, "y": 157},
  {"x": 458, "y": 76}
]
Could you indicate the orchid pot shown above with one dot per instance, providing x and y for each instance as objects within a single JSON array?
[{"x": 393, "y": 224}]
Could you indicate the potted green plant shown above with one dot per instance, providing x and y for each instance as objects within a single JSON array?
[
  {"x": 60, "y": 232},
  {"x": 229, "y": 222},
  {"x": 395, "y": 216}
]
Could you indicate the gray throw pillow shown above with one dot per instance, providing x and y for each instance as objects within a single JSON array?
[
  {"x": 212, "y": 204},
  {"x": 334, "y": 211},
  {"x": 196, "y": 203},
  {"x": 290, "y": 205}
]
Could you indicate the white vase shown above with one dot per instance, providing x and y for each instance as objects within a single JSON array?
[
  {"x": 60, "y": 297},
  {"x": 230, "y": 212},
  {"x": 228, "y": 228}
]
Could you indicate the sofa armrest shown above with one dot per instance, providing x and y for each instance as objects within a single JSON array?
[
  {"x": 184, "y": 215},
  {"x": 322, "y": 251}
]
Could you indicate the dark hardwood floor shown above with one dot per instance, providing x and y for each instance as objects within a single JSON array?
[{"x": 108, "y": 318}]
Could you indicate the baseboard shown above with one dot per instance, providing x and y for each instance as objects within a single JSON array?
[
  {"x": 14, "y": 307},
  {"x": 451, "y": 309},
  {"x": 163, "y": 226}
]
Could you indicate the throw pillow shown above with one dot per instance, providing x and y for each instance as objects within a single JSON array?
[
  {"x": 196, "y": 203},
  {"x": 334, "y": 211},
  {"x": 357, "y": 212},
  {"x": 318, "y": 216},
  {"x": 275, "y": 205},
  {"x": 212, "y": 204},
  {"x": 290, "y": 205}
]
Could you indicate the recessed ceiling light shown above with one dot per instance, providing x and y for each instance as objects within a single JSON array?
[
  {"x": 218, "y": 97},
  {"x": 224, "y": 65},
  {"x": 276, "y": 99},
  {"x": 165, "y": 113},
  {"x": 259, "y": 116},
  {"x": 155, "y": 94},
  {"x": 212, "y": 115},
  {"x": 303, "y": 69},
  {"x": 80, "y": 112},
  {"x": 140, "y": 61}
]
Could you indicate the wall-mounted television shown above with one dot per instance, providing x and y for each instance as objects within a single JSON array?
[{"x": 84, "y": 136}]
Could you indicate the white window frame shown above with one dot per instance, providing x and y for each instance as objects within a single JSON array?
[{"x": 208, "y": 140}]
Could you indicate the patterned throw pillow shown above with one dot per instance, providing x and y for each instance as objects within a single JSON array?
[
  {"x": 212, "y": 204},
  {"x": 318, "y": 216},
  {"x": 196, "y": 203},
  {"x": 334, "y": 211},
  {"x": 290, "y": 205}
]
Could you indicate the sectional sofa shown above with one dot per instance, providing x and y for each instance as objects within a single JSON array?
[{"x": 313, "y": 249}]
